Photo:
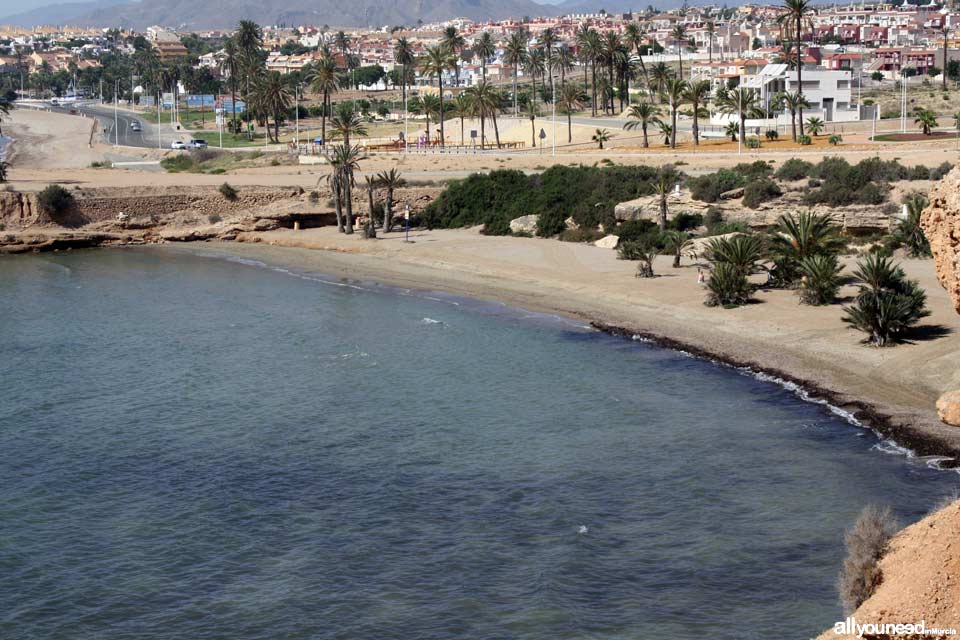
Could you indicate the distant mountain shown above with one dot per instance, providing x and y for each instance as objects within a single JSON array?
[
  {"x": 57, "y": 14},
  {"x": 213, "y": 14},
  {"x": 622, "y": 6}
]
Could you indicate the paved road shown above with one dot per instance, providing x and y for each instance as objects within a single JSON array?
[{"x": 124, "y": 134}]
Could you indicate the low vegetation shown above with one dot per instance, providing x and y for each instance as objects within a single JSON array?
[
  {"x": 55, "y": 201},
  {"x": 866, "y": 543},
  {"x": 888, "y": 304},
  {"x": 228, "y": 191}
]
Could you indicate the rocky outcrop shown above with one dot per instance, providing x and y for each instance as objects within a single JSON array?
[
  {"x": 524, "y": 224},
  {"x": 608, "y": 242},
  {"x": 941, "y": 224},
  {"x": 948, "y": 408}
]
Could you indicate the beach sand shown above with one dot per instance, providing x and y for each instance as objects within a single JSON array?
[{"x": 775, "y": 334}]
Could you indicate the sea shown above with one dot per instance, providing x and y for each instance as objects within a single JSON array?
[{"x": 199, "y": 446}]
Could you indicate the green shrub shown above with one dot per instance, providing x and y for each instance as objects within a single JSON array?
[
  {"x": 228, "y": 192},
  {"x": 709, "y": 187},
  {"x": 636, "y": 229},
  {"x": 753, "y": 143},
  {"x": 685, "y": 221},
  {"x": 55, "y": 201},
  {"x": 179, "y": 163},
  {"x": 550, "y": 223},
  {"x": 835, "y": 139},
  {"x": 214, "y": 218},
  {"x": 866, "y": 543},
  {"x": 772, "y": 134},
  {"x": 888, "y": 304},
  {"x": 940, "y": 171},
  {"x": 219, "y": 171},
  {"x": 805, "y": 139},
  {"x": 727, "y": 287},
  {"x": 580, "y": 235},
  {"x": 743, "y": 252},
  {"x": 714, "y": 217},
  {"x": 821, "y": 279},
  {"x": 753, "y": 170},
  {"x": 759, "y": 191},
  {"x": 794, "y": 169}
]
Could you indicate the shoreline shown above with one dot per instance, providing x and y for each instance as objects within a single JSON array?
[{"x": 915, "y": 428}]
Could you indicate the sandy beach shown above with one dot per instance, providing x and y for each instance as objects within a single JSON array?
[{"x": 893, "y": 389}]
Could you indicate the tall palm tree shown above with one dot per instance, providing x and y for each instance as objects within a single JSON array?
[
  {"x": 711, "y": 30},
  {"x": 438, "y": 60},
  {"x": 403, "y": 55},
  {"x": 633, "y": 38},
  {"x": 613, "y": 54},
  {"x": 674, "y": 94},
  {"x": 515, "y": 54},
  {"x": 680, "y": 36},
  {"x": 486, "y": 99},
  {"x": 944, "y": 30},
  {"x": 345, "y": 160},
  {"x": 659, "y": 74},
  {"x": 426, "y": 105},
  {"x": 463, "y": 107},
  {"x": 346, "y": 123},
  {"x": 324, "y": 79},
  {"x": 273, "y": 98},
  {"x": 370, "y": 228},
  {"x": 454, "y": 42},
  {"x": 589, "y": 45},
  {"x": 796, "y": 12},
  {"x": 662, "y": 186},
  {"x": 563, "y": 62},
  {"x": 484, "y": 48},
  {"x": 535, "y": 67},
  {"x": 391, "y": 181},
  {"x": 570, "y": 99},
  {"x": 249, "y": 37},
  {"x": 342, "y": 42},
  {"x": 642, "y": 115},
  {"x": 697, "y": 94},
  {"x": 793, "y": 102},
  {"x": 548, "y": 40},
  {"x": 742, "y": 102},
  {"x": 230, "y": 66}
]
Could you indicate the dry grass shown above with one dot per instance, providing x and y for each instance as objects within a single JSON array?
[{"x": 866, "y": 542}]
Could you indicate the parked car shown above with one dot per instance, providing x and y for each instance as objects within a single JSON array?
[
  {"x": 177, "y": 144},
  {"x": 197, "y": 143}
]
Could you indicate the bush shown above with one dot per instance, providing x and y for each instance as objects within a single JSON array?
[
  {"x": 178, "y": 164},
  {"x": 794, "y": 169},
  {"x": 753, "y": 143},
  {"x": 714, "y": 217},
  {"x": 55, "y": 201},
  {"x": 709, "y": 187},
  {"x": 866, "y": 543},
  {"x": 636, "y": 230},
  {"x": 550, "y": 223},
  {"x": 821, "y": 279},
  {"x": 228, "y": 192},
  {"x": 772, "y": 134},
  {"x": 685, "y": 221},
  {"x": 727, "y": 287},
  {"x": 888, "y": 304},
  {"x": 214, "y": 218},
  {"x": 580, "y": 235},
  {"x": 743, "y": 252},
  {"x": 760, "y": 191},
  {"x": 804, "y": 139},
  {"x": 939, "y": 172},
  {"x": 835, "y": 139},
  {"x": 753, "y": 170}
]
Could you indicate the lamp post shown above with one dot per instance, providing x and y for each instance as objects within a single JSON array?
[
  {"x": 116, "y": 117},
  {"x": 406, "y": 223},
  {"x": 298, "y": 117}
]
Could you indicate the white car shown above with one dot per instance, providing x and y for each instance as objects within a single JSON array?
[
  {"x": 197, "y": 143},
  {"x": 178, "y": 144}
]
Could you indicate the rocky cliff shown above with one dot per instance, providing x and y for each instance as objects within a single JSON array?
[{"x": 941, "y": 224}]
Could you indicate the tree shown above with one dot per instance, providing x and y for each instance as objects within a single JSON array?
[
  {"x": 370, "y": 228},
  {"x": 660, "y": 73},
  {"x": 486, "y": 99},
  {"x": 697, "y": 93},
  {"x": 323, "y": 79},
  {"x": 426, "y": 105},
  {"x": 391, "y": 181},
  {"x": 663, "y": 185},
  {"x": 601, "y": 136},
  {"x": 614, "y": 55},
  {"x": 571, "y": 99},
  {"x": 642, "y": 115},
  {"x": 793, "y": 102},
  {"x": 925, "y": 119},
  {"x": 711, "y": 30},
  {"x": 673, "y": 93},
  {"x": 403, "y": 55},
  {"x": 536, "y": 67},
  {"x": 462, "y": 106},
  {"x": 345, "y": 160},
  {"x": 744, "y": 103},
  {"x": 815, "y": 126},
  {"x": 799, "y": 236},
  {"x": 888, "y": 304},
  {"x": 633, "y": 38},
  {"x": 796, "y": 13},
  {"x": 944, "y": 30},
  {"x": 591, "y": 50},
  {"x": 680, "y": 36},
  {"x": 484, "y": 48},
  {"x": 676, "y": 242},
  {"x": 438, "y": 60},
  {"x": 231, "y": 68},
  {"x": 666, "y": 131},
  {"x": 454, "y": 42},
  {"x": 274, "y": 98},
  {"x": 821, "y": 279},
  {"x": 877, "y": 76},
  {"x": 909, "y": 232},
  {"x": 346, "y": 123},
  {"x": 515, "y": 54}
]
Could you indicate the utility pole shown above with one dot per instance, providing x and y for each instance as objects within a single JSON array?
[
  {"x": 159, "y": 122},
  {"x": 116, "y": 117}
]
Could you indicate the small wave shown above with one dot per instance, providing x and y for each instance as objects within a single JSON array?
[{"x": 431, "y": 321}]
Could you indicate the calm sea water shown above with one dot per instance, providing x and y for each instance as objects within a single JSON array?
[{"x": 196, "y": 448}]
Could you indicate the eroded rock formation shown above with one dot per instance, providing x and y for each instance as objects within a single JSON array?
[{"x": 941, "y": 224}]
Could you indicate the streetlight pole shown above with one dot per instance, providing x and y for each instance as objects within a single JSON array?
[
  {"x": 406, "y": 223},
  {"x": 116, "y": 117},
  {"x": 298, "y": 117}
]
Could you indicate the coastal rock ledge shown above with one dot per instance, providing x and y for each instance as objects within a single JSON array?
[
  {"x": 941, "y": 224},
  {"x": 948, "y": 408}
]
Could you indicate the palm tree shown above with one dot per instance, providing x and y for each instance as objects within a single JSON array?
[
  {"x": 733, "y": 130},
  {"x": 426, "y": 105},
  {"x": 926, "y": 119},
  {"x": 614, "y": 54},
  {"x": 816, "y": 125},
  {"x": 346, "y": 123},
  {"x": 341, "y": 41},
  {"x": 403, "y": 55},
  {"x": 274, "y": 99},
  {"x": 711, "y": 30},
  {"x": 796, "y": 12},
  {"x": 662, "y": 186},
  {"x": 800, "y": 236},
  {"x": 910, "y": 232},
  {"x": 390, "y": 180},
  {"x": 744, "y": 103},
  {"x": 563, "y": 62},
  {"x": 435, "y": 63},
  {"x": 515, "y": 54},
  {"x": 345, "y": 160},
  {"x": 794, "y": 102},
  {"x": 454, "y": 42},
  {"x": 570, "y": 99},
  {"x": 944, "y": 30},
  {"x": 486, "y": 100},
  {"x": 531, "y": 112},
  {"x": 249, "y": 37},
  {"x": 680, "y": 36},
  {"x": 536, "y": 67},
  {"x": 674, "y": 93},
  {"x": 548, "y": 40},
  {"x": 370, "y": 228},
  {"x": 484, "y": 48},
  {"x": 659, "y": 74},
  {"x": 588, "y": 40},
  {"x": 463, "y": 108},
  {"x": 697, "y": 93},
  {"x": 231, "y": 68},
  {"x": 676, "y": 242},
  {"x": 633, "y": 38},
  {"x": 601, "y": 136},
  {"x": 642, "y": 115},
  {"x": 323, "y": 79},
  {"x": 665, "y": 130}
]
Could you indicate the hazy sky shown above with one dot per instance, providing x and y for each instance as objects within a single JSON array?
[{"x": 11, "y": 7}]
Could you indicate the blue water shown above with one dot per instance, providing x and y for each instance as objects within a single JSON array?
[{"x": 196, "y": 448}]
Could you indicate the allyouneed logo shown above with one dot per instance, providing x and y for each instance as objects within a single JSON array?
[{"x": 851, "y": 627}]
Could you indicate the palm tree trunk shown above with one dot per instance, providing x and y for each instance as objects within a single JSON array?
[
  {"x": 338, "y": 204},
  {"x": 593, "y": 86},
  {"x": 440, "y": 86},
  {"x": 533, "y": 130},
  {"x": 461, "y": 129},
  {"x": 793, "y": 124},
  {"x": 800, "y": 66},
  {"x": 483, "y": 129},
  {"x": 646, "y": 141},
  {"x": 371, "y": 229},
  {"x": 662, "y": 220},
  {"x": 696, "y": 124},
  {"x": 349, "y": 200},
  {"x": 323, "y": 117},
  {"x": 388, "y": 211},
  {"x": 515, "y": 112},
  {"x": 680, "y": 58},
  {"x": 569, "y": 129},
  {"x": 496, "y": 129}
]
